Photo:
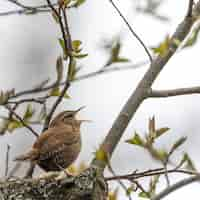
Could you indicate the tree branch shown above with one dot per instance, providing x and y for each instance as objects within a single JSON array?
[
  {"x": 68, "y": 47},
  {"x": 88, "y": 185},
  {"x": 174, "y": 92},
  {"x": 24, "y": 9},
  {"x": 101, "y": 71},
  {"x": 153, "y": 172},
  {"x": 131, "y": 30},
  {"x": 22, "y": 121},
  {"x": 141, "y": 92},
  {"x": 176, "y": 186}
]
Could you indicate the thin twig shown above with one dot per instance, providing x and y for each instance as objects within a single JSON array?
[
  {"x": 140, "y": 187},
  {"x": 14, "y": 170},
  {"x": 7, "y": 160},
  {"x": 160, "y": 171},
  {"x": 30, "y": 7},
  {"x": 39, "y": 100},
  {"x": 60, "y": 23},
  {"x": 69, "y": 40},
  {"x": 68, "y": 50},
  {"x": 132, "y": 31},
  {"x": 101, "y": 71},
  {"x": 57, "y": 102},
  {"x": 176, "y": 186},
  {"x": 19, "y": 4},
  {"x": 27, "y": 9},
  {"x": 23, "y": 11},
  {"x": 22, "y": 121}
]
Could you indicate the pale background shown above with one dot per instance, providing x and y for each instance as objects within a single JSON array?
[{"x": 28, "y": 52}]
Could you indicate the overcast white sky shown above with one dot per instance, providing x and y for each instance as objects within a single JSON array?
[{"x": 28, "y": 52}]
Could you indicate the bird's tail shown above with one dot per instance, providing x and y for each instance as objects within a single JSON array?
[{"x": 30, "y": 156}]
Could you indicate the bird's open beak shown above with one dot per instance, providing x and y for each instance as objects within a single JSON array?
[
  {"x": 76, "y": 111},
  {"x": 81, "y": 108},
  {"x": 85, "y": 120}
]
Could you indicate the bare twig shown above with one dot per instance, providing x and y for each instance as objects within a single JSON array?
[
  {"x": 19, "y": 4},
  {"x": 140, "y": 186},
  {"x": 60, "y": 23},
  {"x": 7, "y": 160},
  {"x": 14, "y": 170},
  {"x": 57, "y": 102},
  {"x": 68, "y": 47},
  {"x": 154, "y": 172},
  {"x": 101, "y": 71},
  {"x": 24, "y": 9},
  {"x": 132, "y": 31},
  {"x": 39, "y": 100},
  {"x": 22, "y": 121}
]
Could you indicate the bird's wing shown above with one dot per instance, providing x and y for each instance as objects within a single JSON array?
[{"x": 54, "y": 139}]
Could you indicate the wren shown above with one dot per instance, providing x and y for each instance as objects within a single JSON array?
[{"x": 59, "y": 146}]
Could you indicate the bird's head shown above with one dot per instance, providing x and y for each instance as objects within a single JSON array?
[{"x": 67, "y": 117}]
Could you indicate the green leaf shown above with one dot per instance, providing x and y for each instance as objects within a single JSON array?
[
  {"x": 42, "y": 114},
  {"x": 72, "y": 70},
  {"x": 14, "y": 124},
  {"x": 112, "y": 195},
  {"x": 161, "y": 154},
  {"x": 4, "y": 126},
  {"x": 76, "y": 45},
  {"x": 144, "y": 195},
  {"x": 66, "y": 2},
  {"x": 161, "y": 131},
  {"x": 153, "y": 183},
  {"x": 4, "y": 96},
  {"x": 78, "y": 3},
  {"x": 101, "y": 155},
  {"x": 192, "y": 38},
  {"x": 56, "y": 92},
  {"x": 190, "y": 164},
  {"x": 59, "y": 69},
  {"x": 62, "y": 44},
  {"x": 163, "y": 47},
  {"x": 136, "y": 140},
  {"x": 79, "y": 56},
  {"x": 55, "y": 17},
  {"x": 28, "y": 113},
  {"x": 122, "y": 59},
  {"x": 130, "y": 190},
  {"x": 115, "y": 51},
  {"x": 178, "y": 143}
]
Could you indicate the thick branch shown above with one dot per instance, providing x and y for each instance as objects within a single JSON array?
[
  {"x": 174, "y": 92},
  {"x": 141, "y": 92},
  {"x": 89, "y": 185}
]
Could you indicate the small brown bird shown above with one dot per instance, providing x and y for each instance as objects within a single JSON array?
[{"x": 59, "y": 146}]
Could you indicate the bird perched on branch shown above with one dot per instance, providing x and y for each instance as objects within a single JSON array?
[{"x": 59, "y": 146}]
